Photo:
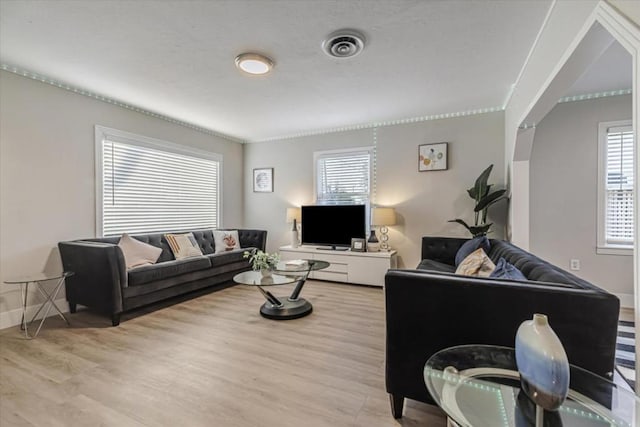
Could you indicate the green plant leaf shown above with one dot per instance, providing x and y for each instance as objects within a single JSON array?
[
  {"x": 472, "y": 193},
  {"x": 480, "y": 186},
  {"x": 488, "y": 200},
  {"x": 480, "y": 230},
  {"x": 461, "y": 222}
]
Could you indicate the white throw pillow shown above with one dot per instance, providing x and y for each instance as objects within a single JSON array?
[
  {"x": 183, "y": 245},
  {"x": 477, "y": 264},
  {"x": 137, "y": 253},
  {"x": 226, "y": 240}
]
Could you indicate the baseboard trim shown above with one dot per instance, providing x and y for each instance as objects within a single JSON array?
[
  {"x": 626, "y": 300},
  {"x": 12, "y": 318}
]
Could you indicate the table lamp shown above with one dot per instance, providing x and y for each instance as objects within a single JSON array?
[
  {"x": 383, "y": 217},
  {"x": 294, "y": 216}
]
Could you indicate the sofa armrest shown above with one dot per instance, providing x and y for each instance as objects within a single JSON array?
[
  {"x": 100, "y": 274},
  {"x": 441, "y": 249},
  {"x": 427, "y": 312},
  {"x": 253, "y": 239}
]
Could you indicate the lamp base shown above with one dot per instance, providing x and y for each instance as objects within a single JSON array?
[{"x": 294, "y": 239}]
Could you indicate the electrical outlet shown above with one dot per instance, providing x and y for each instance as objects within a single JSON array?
[{"x": 575, "y": 264}]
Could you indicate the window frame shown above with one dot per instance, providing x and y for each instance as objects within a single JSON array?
[
  {"x": 317, "y": 155},
  {"x": 103, "y": 133},
  {"x": 602, "y": 247}
]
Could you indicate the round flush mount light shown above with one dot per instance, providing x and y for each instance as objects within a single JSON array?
[
  {"x": 254, "y": 63},
  {"x": 343, "y": 43}
]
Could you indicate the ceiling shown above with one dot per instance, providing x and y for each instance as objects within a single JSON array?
[{"x": 176, "y": 58}]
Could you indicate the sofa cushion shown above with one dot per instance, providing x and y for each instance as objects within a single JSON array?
[
  {"x": 477, "y": 264},
  {"x": 163, "y": 270},
  {"x": 471, "y": 246},
  {"x": 137, "y": 253},
  {"x": 226, "y": 240},
  {"x": 428, "y": 264},
  {"x": 229, "y": 257},
  {"x": 505, "y": 270}
]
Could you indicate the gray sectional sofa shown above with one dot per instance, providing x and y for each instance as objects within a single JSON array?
[{"x": 102, "y": 282}]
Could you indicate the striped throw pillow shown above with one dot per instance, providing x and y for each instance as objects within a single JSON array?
[{"x": 183, "y": 245}]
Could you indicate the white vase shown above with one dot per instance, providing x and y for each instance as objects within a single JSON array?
[
  {"x": 542, "y": 363},
  {"x": 266, "y": 272},
  {"x": 294, "y": 238}
]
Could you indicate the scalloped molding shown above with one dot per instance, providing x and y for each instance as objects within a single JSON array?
[
  {"x": 373, "y": 125},
  {"x": 48, "y": 80}
]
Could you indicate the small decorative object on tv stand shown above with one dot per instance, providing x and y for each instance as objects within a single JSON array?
[
  {"x": 373, "y": 244},
  {"x": 294, "y": 216}
]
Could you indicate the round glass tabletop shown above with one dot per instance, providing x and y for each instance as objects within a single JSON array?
[
  {"x": 255, "y": 278},
  {"x": 304, "y": 266},
  {"x": 479, "y": 385}
]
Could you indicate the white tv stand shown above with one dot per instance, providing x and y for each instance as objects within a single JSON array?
[{"x": 361, "y": 268}]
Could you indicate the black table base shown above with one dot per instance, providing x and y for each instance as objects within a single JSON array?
[{"x": 287, "y": 309}]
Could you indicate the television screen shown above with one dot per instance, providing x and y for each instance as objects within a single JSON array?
[{"x": 333, "y": 225}]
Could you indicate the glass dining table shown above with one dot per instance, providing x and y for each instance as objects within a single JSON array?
[{"x": 479, "y": 385}]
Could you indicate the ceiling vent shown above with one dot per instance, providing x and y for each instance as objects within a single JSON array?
[{"x": 343, "y": 44}]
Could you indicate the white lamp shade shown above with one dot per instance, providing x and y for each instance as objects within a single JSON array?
[
  {"x": 294, "y": 213},
  {"x": 383, "y": 216}
]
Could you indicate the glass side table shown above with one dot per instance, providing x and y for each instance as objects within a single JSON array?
[
  {"x": 37, "y": 279},
  {"x": 282, "y": 308},
  {"x": 479, "y": 385}
]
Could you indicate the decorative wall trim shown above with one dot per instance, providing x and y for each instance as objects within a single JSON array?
[
  {"x": 12, "y": 318},
  {"x": 385, "y": 123},
  {"x": 108, "y": 100},
  {"x": 528, "y": 58},
  {"x": 595, "y": 95}
]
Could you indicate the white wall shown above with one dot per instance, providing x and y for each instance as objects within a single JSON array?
[
  {"x": 564, "y": 177},
  {"x": 47, "y": 171},
  {"x": 424, "y": 201}
]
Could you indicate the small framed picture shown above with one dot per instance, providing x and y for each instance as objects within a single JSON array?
[
  {"x": 432, "y": 157},
  {"x": 358, "y": 245},
  {"x": 263, "y": 180}
]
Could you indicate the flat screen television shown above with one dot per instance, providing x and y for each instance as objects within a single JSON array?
[{"x": 333, "y": 225}]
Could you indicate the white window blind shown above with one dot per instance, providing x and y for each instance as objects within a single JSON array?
[
  {"x": 619, "y": 186},
  {"x": 343, "y": 177},
  {"x": 148, "y": 189}
]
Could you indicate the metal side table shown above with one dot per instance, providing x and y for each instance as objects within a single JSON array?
[{"x": 50, "y": 297}]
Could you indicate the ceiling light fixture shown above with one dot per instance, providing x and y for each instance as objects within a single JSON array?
[{"x": 254, "y": 63}]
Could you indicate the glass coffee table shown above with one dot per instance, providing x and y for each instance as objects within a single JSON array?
[
  {"x": 282, "y": 308},
  {"x": 479, "y": 385}
]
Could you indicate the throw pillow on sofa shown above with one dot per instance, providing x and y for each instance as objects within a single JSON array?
[
  {"x": 477, "y": 264},
  {"x": 137, "y": 253},
  {"x": 226, "y": 240},
  {"x": 183, "y": 245},
  {"x": 471, "y": 246},
  {"x": 506, "y": 270}
]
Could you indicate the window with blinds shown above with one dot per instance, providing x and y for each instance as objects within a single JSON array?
[
  {"x": 343, "y": 177},
  {"x": 617, "y": 180},
  {"x": 154, "y": 186}
]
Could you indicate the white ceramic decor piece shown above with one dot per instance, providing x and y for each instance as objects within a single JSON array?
[{"x": 542, "y": 363}]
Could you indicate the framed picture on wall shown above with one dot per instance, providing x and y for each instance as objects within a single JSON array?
[
  {"x": 263, "y": 180},
  {"x": 432, "y": 157}
]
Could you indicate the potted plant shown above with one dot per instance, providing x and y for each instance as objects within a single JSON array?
[
  {"x": 484, "y": 198},
  {"x": 262, "y": 261}
]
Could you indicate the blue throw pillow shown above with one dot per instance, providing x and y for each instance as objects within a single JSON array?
[
  {"x": 471, "y": 246},
  {"x": 505, "y": 270}
]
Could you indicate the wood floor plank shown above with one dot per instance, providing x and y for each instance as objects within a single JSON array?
[{"x": 211, "y": 360}]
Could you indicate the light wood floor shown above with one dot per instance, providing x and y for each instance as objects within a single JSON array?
[{"x": 209, "y": 361}]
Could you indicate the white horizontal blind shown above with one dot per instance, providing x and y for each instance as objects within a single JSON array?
[
  {"x": 343, "y": 177},
  {"x": 619, "y": 186},
  {"x": 147, "y": 189}
]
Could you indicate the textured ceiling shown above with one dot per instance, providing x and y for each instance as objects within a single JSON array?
[{"x": 177, "y": 58}]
